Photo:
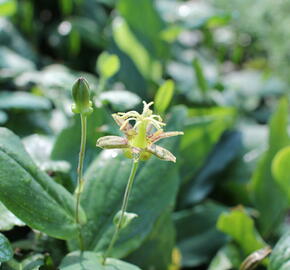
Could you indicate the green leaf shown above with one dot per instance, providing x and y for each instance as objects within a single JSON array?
[
  {"x": 197, "y": 236},
  {"x": 240, "y": 226},
  {"x": 6, "y": 252},
  {"x": 263, "y": 184},
  {"x": 223, "y": 153},
  {"x": 23, "y": 101},
  {"x": 120, "y": 100},
  {"x": 8, "y": 220},
  {"x": 151, "y": 195},
  {"x": 156, "y": 251},
  {"x": 201, "y": 81},
  {"x": 108, "y": 64},
  {"x": 31, "y": 194},
  {"x": 228, "y": 257},
  {"x": 149, "y": 33},
  {"x": 280, "y": 257},
  {"x": 90, "y": 260},
  {"x": 130, "y": 45},
  {"x": 164, "y": 96},
  {"x": 280, "y": 169},
  {"x": 7, "y": 7}
]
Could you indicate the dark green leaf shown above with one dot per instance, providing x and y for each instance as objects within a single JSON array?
[
  {"x": 6, "y": 252},
  {"x": 156, "y": 251},
  {"x": 31, "y": 194},
  {"x": 197, "y": 237}
]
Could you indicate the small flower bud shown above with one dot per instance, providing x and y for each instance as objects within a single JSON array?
[
  {"x": 126, "y": 220},
  {"x": 81, "y": 97}
]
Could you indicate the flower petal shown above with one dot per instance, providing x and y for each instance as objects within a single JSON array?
[
  {"x": 158, "y": 136},
  {"x": 161, "y": 152},
  {"x": 112, "y": 142}
]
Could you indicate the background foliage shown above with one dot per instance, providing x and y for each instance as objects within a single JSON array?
[{"x": 218, "y": 70}]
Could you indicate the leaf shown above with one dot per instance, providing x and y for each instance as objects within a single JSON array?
[
  {"x": 23, "y": 101},
  {"x": 156, "y": 251},
  {"x": 31, "y": 194},
  {"x": 280, "y": 169},
  {"x": 90, "y": 260},
  {"x": 223, "y": 153},
  {"x": 151, "y": 195},
  {"x": 127, "y": 42},
  {"x": 197, "y": 236},
  {"x": 108, "y": 64},
  {"x": 201, "y": 81},
  {"x": 240, "y": 226},
  {"x": 120, "y": 100},
  {"x": 228, "y": 257},
  {"x": 149, "y": 33},
  {"x": 164, "y": 96},
  {"x": 8, "y": 7},
  {"x": 7, "y": 219},
  {"x": 262, "y": 183},
  {"x": 280, "y": 257},
  {"x": 6, "y": 252}
]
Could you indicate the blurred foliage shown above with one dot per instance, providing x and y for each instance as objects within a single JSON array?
[{"x": 218, "y": 70}]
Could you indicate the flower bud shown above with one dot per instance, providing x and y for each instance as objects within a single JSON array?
[
  {"x": 81, "y": 97},
  {"x": 126, "y": 220}
]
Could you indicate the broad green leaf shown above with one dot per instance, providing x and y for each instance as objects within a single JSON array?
[
  {"x": 262, "y": 183},
  {"x": 204, "y": 128},
  {"x": 223, "y": 153},
  {"x": 156, "y": 251},
  {"x": 108, "y": 65},
  {"x": 23, "y": 101},
  {"x": 7, "y": 219},
  {"x": 90, "y": 260},
  {"x": 197, "y": 236},
  {"x": 280, "y": 169},
  {"x": 164, "y": 96},
  {"x": 154, "y": 190},
  {"x": 228, "y": 257},
  {"x": 136, "y": 13},
  {"x": 120, "y": 100},
  {"x": 31, "y": 194},
  {"x": 240, "y": 226},
  {"x": 128, "y": 43},
  {"x": 280, "y": 257},
  {"x": 6, "y": 252},
  {"x": 7, "y": 7}
]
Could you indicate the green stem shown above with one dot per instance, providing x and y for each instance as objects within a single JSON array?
[
  {"x": 123, "y": 209},
  {"x": 80, "y": 179}
]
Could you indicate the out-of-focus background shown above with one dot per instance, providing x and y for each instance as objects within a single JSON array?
[{"x": 230, "y": 64}]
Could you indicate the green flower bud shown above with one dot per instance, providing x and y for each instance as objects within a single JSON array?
[{"x": 81, "y": 97}]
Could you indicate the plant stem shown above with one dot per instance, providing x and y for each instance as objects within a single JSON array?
[
  {"x": 80, "y": 179},
  {"x": 123, "y": 209}
]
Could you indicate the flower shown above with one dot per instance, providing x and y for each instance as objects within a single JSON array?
[{"x": 140, "y": 138}]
